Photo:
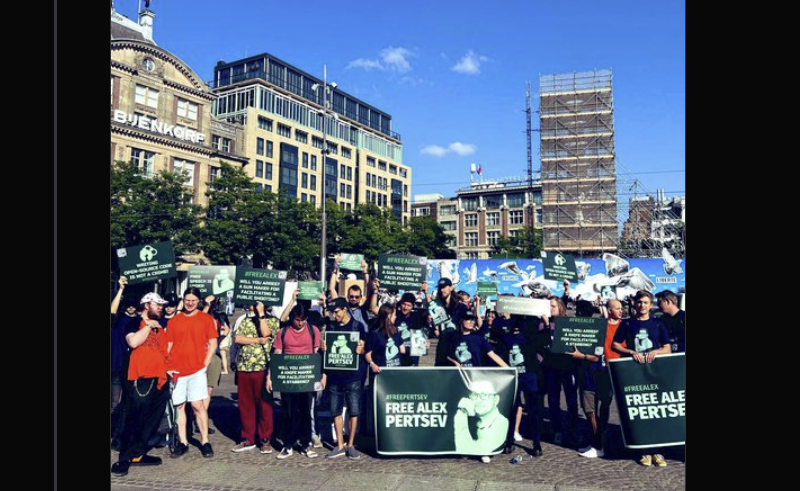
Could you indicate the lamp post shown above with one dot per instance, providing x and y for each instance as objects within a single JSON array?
[{"x": 324, "y": 242}]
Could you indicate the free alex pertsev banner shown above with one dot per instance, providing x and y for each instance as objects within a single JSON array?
[{"x": 442, "y": 410}]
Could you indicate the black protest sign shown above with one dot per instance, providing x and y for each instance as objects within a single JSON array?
[
  {"x": 309, "y": 290},
  {"x": 266, "y": 285},
  {"x": 586, "y": 333},
  {"x": 212, "y": 280},
  {"x": 433, "y": 411},
  {"x": 559, "y": 266},
  {"x": 295, "y": 373},
  {"x": 651, "y": 399},
  {"x": 340, "y": 350},
  {"x": 523, "y": 306},
  {"x": 149, "y": 262},
  {"x": 350, "y": 262},
  {"x": 401, "y": 272}
]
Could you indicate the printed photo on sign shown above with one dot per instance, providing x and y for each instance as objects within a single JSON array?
[
  {"x": 430, "y": 411},
  {"x": 212, "y": 280},
  {"x": 340, "y": 352}
]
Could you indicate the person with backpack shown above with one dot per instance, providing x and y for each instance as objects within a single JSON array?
[{"x": 297, "y": 338}]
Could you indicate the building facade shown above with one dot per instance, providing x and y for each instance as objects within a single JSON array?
[
  {"x": 282, "y": 108},
  {"x": 579, "y": 183},
  {"x": 161, "y": 111},
  {"x": 654, "y": 224},
  {"x": 482, "y": 213}
]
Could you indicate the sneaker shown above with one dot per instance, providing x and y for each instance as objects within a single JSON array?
[
  {"x": 646, "y": 460},
  {"x": 146, "y": 460},
  {"x": 317, "y": 442},
  {"x": 120, "y": 468},
  {"x": 179, "y": 450},
  {"x": 537, "y": 451},
  {"x": 509, "y": 448},
  {"x": 285, "y": 453},
  {"x": 592, "y": 453},
  {"x": 352, "y": 453},
  {"x": 206, "y": 450},
  {"x": 336, "y": 452},
  {"x": 309, "y": 452},
  {"x": 658, "y": 460},
  {"x": 243, "y": 446},
  {"x": 517, "y": 436},
  {"x": 585, "y": 449},
  {"x": 486, "y": 459},
  {"x": 266, "y": 447}
]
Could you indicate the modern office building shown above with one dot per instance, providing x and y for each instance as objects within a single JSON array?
[
  {"x": 282, "y": 108},
  {"x": 482, "y": 213},
  {"x": 579, "y": 183},
  {"x": 161, "y": 110}
]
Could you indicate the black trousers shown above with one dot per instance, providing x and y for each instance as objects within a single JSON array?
[
  {"x": 296, "y": 418},
  {"x": 145, "y": 406}
]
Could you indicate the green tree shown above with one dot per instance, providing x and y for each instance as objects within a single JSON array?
[
  {"x": 526, "y": 243},
  {"x": 425, "y": 237},
  {"x": 151, "y": 209}
]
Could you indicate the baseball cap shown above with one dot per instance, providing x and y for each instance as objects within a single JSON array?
[
  {"x": 408, "y": 297},
  {"x": 444, "y": 282},
  {"x": 339, "y": 303},
  {"x": 468, "y": 315},
  {"x": 153, "y": 297}
]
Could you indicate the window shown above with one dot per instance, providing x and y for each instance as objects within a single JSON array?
[
  {"x": 304, "y": 181},
  {"x": 146, "y": 96},
  {"x": 259, "y": 188},
  {"x": 472, "y": 255},
  {"x": 516, "y": 217},
  {"x": 187, "y": 109},
  {"x": 288, "y": 176},
  {"x": 342, "y": 172},
  {"x": 346, "y": 153},
  {"x": 471, "y": 220},
  {"x": 284, "y": 130},
  {"x": 403, "y": 172},
  {"x": 269, "y": 149},
  {"x": 393, "y": 169},
  {"x": 449, "y": 225},
  {"x": 493, "y": 202},
  {"x": 264, "y": 123},
  {"x": 301, "y": 136},
  {"x": 215, "y": 173},
  {"x": 333, "y": 148},
  {"x": 268, "y": 172},
  {"x": 267, "y": 188},
  {"x": 381, "y": 165},
  {"x": 144, "y": 160},
  {"x": 469, "y": 204},
  {"x": 260, "y": 146},
  {"x": 112, "y": 89},
  {"x": 491, "y": 238},
  {"x": 349, "y": 191},
  {"x": 369, "y": 179},
  {"x": 186, "y": 168},
  {"x": 313, "y": 183},
  {"x": 316, "y": 142},
  {"x": 215, "y": 141},
  {"x": 493, "y": 219},
  {"x": 447, "y": 210},
  {"x": 305, "y": 160},
  {"x": 341, "y": 190},
  {"x": 313, "y": 199},
  {"x": 539, "y": 216},
  {"x": 303, "y": 196},
  {"x": 313, "y": 162},
  {"x": 259, "y": 168},
  {"x": 371, "y": 161},
  {"x": 405, "y": 190},
  {"x": 471, "y": 239},
  {"x": 349, "y": 173},
  {"x": 226, "y": 144},
  {"x": 515, "y": 200}
]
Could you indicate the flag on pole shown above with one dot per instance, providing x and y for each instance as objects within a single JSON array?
[
  {"x": 480, "y": 171},
  {"x": 147, "y": 4}
]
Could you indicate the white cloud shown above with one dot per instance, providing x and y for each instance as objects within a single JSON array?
[
  {"x": 470, "y": 63},
  {"x": 395, "y": 59},
  {"x": 461, "y": 149},
  {"x": 434, "y": 150},
  {"x": 458, "y": 148},
  {"x": 414, "y": 82},
  {"x": 365, "y": 64}
]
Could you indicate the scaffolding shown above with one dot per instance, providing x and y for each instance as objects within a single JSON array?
[
  {"x": 654, "y": 224},
  {"x": 579, "y": 182}
]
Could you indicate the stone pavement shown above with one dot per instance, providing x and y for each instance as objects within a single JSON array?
[{"x": 559, "y": 469}]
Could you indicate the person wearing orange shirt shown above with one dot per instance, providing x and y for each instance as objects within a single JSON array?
[{"x": 192, "y": 337}]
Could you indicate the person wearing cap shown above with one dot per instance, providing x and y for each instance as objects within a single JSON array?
[
  {"x": 490, "y": 425},
  {"x": 468, "y": 349},
  {"x": 346, "y": 387},
  {"x": 172, "y": 306},
  {"x": 125, "y": 315},
  {"x": 445, "y": 311},
  {"x": 406, "y": 321},
  {"x": 148, "y": 393},
  {"x": 192, "y": 335}
]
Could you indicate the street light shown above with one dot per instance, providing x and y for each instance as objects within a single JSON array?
[{"x": 324, "y": 245}]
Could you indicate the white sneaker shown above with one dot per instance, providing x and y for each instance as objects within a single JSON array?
[
  {"x": 517, "y": 436},
  {"x": 317, "y": 442},
  {"x": 584, "y": 449},
  {"x": 592, "y": 453},
  {"x": 486, "y": 459}
]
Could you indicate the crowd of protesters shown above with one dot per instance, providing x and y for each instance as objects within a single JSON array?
[{"x": 169, "y": 353}]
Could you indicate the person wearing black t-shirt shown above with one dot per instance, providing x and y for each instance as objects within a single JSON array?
[
  {"x": 674, "y": 319},
  {"x": 645, "y": 338}
]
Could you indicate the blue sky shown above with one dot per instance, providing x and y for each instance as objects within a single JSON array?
[{"x": 452, "y": 73}]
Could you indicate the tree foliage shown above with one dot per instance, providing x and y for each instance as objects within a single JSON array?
[{"x": 526, "y": 243}]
